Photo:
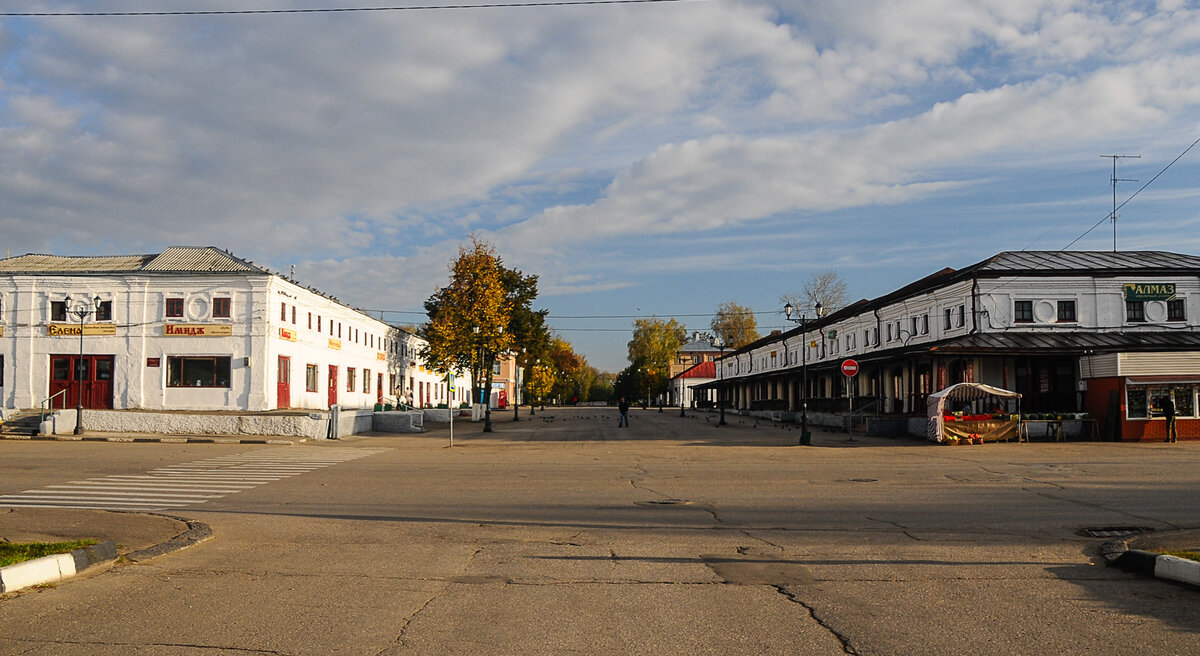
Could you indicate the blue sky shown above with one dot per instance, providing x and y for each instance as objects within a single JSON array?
[{"x": 643, "y": 160}]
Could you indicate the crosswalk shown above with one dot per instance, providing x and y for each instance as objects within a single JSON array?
[{"x": 191, "y": 483}]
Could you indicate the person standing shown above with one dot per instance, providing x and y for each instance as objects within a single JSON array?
[
  {"x": 623, "y": 406},
  {"x": 1168, "y": 410}
]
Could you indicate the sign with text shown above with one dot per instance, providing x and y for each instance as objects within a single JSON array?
[
  {"x": 335, "y": 344},
  {"x": 197, "y": 330},
  {"x": 1150, "y": 291},
  {"x": 72, "y": 330},
  {"x": 850, "y": 367},
  {"x": 288, "y": 334}
]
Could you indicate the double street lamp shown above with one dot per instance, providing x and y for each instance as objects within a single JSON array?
[
  {"x": 805, "y": 437},
  {"x": 81, "y": 310}
]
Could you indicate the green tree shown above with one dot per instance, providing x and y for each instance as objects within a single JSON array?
[
  {"x": 652, "y": 348},
  {"x": 735, "y": 324},
  {"x": 526, "y": 326}
]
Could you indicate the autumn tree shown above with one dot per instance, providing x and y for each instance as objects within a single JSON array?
[
  {"x": 468, "y": 317},
  {"x": 526, "y": 326},
  {"x": 826, "y": 288},
  {"x": 735, "y": 324},
  {"x": 651, "y": 350},
  {"x": 567, "y": 364}
]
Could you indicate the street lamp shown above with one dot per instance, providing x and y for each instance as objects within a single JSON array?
[
  {"x": 81, "y": 311},
  {"x": 805, "y": 438},
  {"x": 718, "y": 344}
]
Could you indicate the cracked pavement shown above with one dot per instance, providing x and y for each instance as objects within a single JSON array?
[{"x": 671, "y": 537}]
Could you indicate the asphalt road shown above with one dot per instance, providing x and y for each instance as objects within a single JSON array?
[{"x": 563, "y": 534}]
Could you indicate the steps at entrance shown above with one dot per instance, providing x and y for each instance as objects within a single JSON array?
[{"x": 21, "y": 423}]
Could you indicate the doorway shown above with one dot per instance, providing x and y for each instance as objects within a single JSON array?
[{"x": 88, "y": 375}]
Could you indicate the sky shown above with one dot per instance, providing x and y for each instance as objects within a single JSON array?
[{"x": 643, "y": 160}]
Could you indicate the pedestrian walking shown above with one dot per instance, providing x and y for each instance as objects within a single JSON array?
[
  {"x": 623, "y": 406},
  {"x": 1168, "y": 410}
]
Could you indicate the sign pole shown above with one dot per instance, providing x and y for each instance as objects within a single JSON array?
[
  {"x": 450, "y": 404},
  {"x": 850, "y": 370}
]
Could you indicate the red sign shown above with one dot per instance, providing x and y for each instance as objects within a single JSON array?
[{"x": 850, "y": 367}]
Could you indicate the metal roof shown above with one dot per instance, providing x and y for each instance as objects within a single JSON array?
[
  {"x": 182, "y": 259},
  {"x": 1089, "y": 261},
  {"x": 35, "y": 263}
]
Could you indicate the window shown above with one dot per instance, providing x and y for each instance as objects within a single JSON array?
[
  {"x": 58, "y": 310},
  {"x": 318, "y": 323},
  {"x": 924, "y": 324},
  {"x": 962, "y": 316},
  {"x": 1066, "y": 311},
  {"x": 283, "y": 312},
  {"x": 198, "y": 371},
  {"x": 1136, "y": 407},
  {"x": 293, "y": 315},
  {"x": 366, "y": 381},
  {"x": 946, "y": 320},
  {"x": 350, "y": 381},
  {"x": 311, "y": 377},
  {"x": 1023, "y": 312},
  {"x": 916, "y": 326},
  {"x": 310, "y": 320},
  {"x": 1176, "y": 311},
  {"x": 221, "y": 307},
  {"x": 1135, "y": 311},
  {"x": 174, "y": 308},
  {"x": 104, "y": 311}
]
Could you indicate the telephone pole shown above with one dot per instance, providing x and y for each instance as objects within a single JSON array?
[{"x": 1114, "y": 181}]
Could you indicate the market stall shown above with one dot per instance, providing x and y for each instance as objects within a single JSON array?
[{"x": 973, "y": 411}]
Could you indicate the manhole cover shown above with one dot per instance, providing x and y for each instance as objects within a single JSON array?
[
  {"x": 864, "y": 480},
  {"x": 1115, "y": 531}
]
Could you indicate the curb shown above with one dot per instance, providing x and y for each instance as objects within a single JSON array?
[
  {"x": 1161, "y": 566},
  {"x": 51, "y": 569},
  {"x": 196, "y": 533},
  {"x": 166, "y": 439}
]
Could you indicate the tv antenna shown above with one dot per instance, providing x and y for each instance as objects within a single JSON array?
[{"x": 1114, "y": 181}]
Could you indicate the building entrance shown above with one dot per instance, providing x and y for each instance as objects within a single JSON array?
[{"x": 89, "y": 375}]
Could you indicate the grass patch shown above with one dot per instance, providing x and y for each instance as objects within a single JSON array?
[
  {"x": 1190, "y": 555},
  {"x": 16, "y": 552}
]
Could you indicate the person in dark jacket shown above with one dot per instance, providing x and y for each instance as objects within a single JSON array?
[
  {"x": 1168, "y": 410},
  {"x": 624, "y": 408}
]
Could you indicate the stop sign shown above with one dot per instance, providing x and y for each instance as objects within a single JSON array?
[{"x": 850, "y": 367}]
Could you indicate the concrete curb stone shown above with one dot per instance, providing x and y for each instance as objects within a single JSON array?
[
  {"x": 176, "y": 439},
  {"x": 51, "y": 569},
  {"x": 1161, "y": 566}
]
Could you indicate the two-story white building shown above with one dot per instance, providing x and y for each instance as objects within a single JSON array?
[
  {"x": 1108, "y": 333},
  {"x": 190, "y": 329}
]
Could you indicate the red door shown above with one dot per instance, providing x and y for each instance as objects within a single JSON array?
[
  {"x": 283, "y": 383},
  {"x": 90, "y": 375},
  {"x": 332, "y": 385},
  {"x": 379, "y": 390}
]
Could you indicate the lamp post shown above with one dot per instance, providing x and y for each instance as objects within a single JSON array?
[
  {"x": 81, "y": 311},
  {"x": 805, "y": 438},
  {"x": 719, "y": 345}
]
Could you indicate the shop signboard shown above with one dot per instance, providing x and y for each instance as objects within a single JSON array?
[
  {"x": 72, "y": 329},
  {"x": 197, "y": 330},
  {"x": 1152, "y": 291}
]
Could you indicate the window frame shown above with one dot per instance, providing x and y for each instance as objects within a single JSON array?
[
  {"x": 1064, "y": 305},
  {"x": 312, "y": 377},
  {"x": 1176, "y": 304},
  {"x": 222, "y": 307},
  {"x": 220, "y": 364},
  {"x": 173, "y": 307},
  {"x": 1022, "y": 311},
  {"x": 1135, "y": 312}
]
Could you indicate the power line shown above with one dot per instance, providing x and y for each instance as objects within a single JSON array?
[{"x": 329, "y": 10}]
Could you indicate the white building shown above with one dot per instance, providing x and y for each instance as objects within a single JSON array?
[
  {"x": 187, "y": 329},
  {"x": 1101, "y": 332}
]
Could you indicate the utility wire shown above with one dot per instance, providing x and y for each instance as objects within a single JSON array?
[{"x": 329, "y": 10}]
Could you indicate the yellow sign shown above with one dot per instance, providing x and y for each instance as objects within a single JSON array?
[
  {"x": 197, "y": 330},
  {"x": 1, "y": 331},
  {"x": 335, "y": 344},
  {"x": 288, "y": 334},
  {"x": 72, "y": 330},
  {"x": 378, "y": 356}
]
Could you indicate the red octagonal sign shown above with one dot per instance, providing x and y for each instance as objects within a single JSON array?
[{"x": 850, "y": 367}]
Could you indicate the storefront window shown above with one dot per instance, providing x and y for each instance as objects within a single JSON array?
[
  {"x": 310, "y": 378},
  {"x": 198, "y": 371},
  {"x": 1136, "y": 406},
  {"x": 1184, "y": 401}
]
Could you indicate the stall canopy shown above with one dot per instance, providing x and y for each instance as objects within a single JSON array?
[{"x": 988, "y": 429}]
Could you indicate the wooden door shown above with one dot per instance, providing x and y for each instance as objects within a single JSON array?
[
  {"x": 283, "y": 383},
  {"x": 90, "y": 376},
  {"x": 333, "y": 389}
]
